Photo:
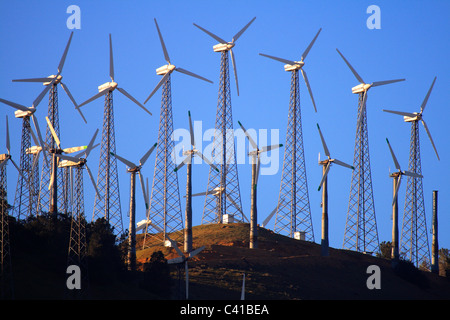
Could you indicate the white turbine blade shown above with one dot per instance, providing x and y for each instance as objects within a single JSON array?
[
  {"x": 186, "y": 160},
  {"x": 124, "y": 161},
  {"x": 111, "y": 61},
  {"x": 93, "y": 181},
  {"x": 343, "y": 164},
  {"x": 252, "y": 142},
  {"x": 174, "y": 244},
  {"x": 196, "y": 251},
  {"x": 147, "y": 154},
  {"x": 424, "y": 103},
  {"x": 129, "y": 96},
  {"x": 163, "y": 79},
  {"x": 412, "y": 174},
  {"x": 397, "y": 166},
  {"x": 52, "y": 130},
  {"x": 269, "y": 148},
  {"x": 8, "y": 144},
  {"x": 175, "y": 260},
  {"x": 327, "y": 152},
  {"x": 407, "y": 114},
  {"x": 192, "y": 74},
  {"x": 89, "y": 147},
  {"x": 351, "y": 68},
  {"x": 51, "y": 182},
  {"x": 266, "y": 221},
  {"x": 166, "y": 55},
  {"x": 431, "y": 139},
  {"x": 63, "y": 58},
  {"x": 74, "y": 149},
  {"x": 42, "y": 94},
  {"x": 65, "y": 157},
  {"x": 380, "y": 83},
  {"x": 233, "y": 61},
  {"x": 211, "y": 34},
  {"x": 207, "y": 160},
  {"x": 258, "y": 166},
  {"x": 237, "y": 35},
  {"x": 291, "y": 62},
  {"x": 396, "y": 190},
  {"x": 324, "y": 176},
  {"x": 199, "y": 194},
  {"x": 34, "y": 80},
  {"x": 96, "y": 96},
  {"x": 17, "y": 167},
  {"x": 141, "y": 179},
  {"x": 157, "y": 228},
  {"x": 310, "y": 45},
  {"x": 15, "y": 105},
  {"x": 42, "y": 145},
  {"x": 66, "y": 90},
  {"x": 191, "y": 130},
  {"x": 305, "y": 77},
  {"x": 33, "y": 136}
]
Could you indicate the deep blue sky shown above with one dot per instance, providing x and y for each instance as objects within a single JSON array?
[{"x": 412, "y": 43}]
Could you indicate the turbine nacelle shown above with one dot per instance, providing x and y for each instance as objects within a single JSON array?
[
  {"x": 68, "y": 163},
  {"x": 292, "y": 67},
  {"x": 223, "y": 47},
  {"x": 111, "y": 86},
  {"x": 168, "y": 68},
  {"x": 24, "y": 114},
  {"x": 33, "y": 150},
  {"x": 363, "y": 87},
  {"x": 412, "y": 119},
  {"x": 50, "y": 78}
]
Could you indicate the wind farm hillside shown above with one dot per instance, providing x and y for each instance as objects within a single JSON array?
[{"x": 287, "y": 269}]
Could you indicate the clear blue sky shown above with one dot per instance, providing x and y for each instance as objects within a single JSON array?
[{"x": 412, "y": 43}]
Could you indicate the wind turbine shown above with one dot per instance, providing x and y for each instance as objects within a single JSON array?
[
  {"x": 25, "y": 192},
  {"x": 414, "y": 229},
  {"x": 188, "y": 161},
  {"x": 107, "y": 179},
  {"x": 181, "y": 257},
  {"x": 53, "y": 185},
  {"x": 326, "y": 166},
  {"x": 224, "y": 149},
  {"x": 298, "y": 65},
  {"x": 77, "y": 253},
  {"x": 361, "y": 230},
  {"x": 397, "y": 178},
  {"x": 51, "y": 82},
  {"x": 51, "y": 87},
  {"x": 165, "y": 207},
  {"x": 133, "y": 169},
  {"x": 294, "y": 214},
  {"x": 6, "y": 284},
  {"x": 255, "y": 154}
]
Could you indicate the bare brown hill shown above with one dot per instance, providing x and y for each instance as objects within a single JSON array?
[{"x": 288, "y": 269}]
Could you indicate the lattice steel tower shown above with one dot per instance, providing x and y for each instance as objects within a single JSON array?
[
  {"x": 107, "y": 201},
  {"x": 223, "y": 195},
  {"x": 164, "y": 207},
  {"x": 28, "y": 182},
  {"x": 414, "y": 238},
  {"x": 361, "y": 232},
  {"x": 293, "y": 215}
]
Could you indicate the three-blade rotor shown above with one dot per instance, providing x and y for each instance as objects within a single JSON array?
[
  {"x": 111, "y": 86},
  {"x": 418, "y": 116},
  {"x": 295, "y": 65},
  {"x": 229, "y": 45},
  {"x": 400, "y": 172},
  {"x": 329, "y": 161},
  {"x": 170, "y": 67}
]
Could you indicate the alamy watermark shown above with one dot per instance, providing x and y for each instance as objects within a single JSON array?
[
  {"x": 374, "y": 21},
  {"x": 74, "y": 20}
]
